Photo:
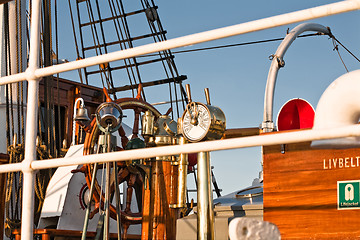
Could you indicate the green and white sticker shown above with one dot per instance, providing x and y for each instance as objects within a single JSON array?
[{"x": 348, "y": 194}]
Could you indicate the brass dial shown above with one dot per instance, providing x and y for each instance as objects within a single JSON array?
[{"x": 196, "y": 122}]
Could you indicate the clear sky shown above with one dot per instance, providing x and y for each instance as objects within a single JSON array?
[{"x": 237, "y": 76}]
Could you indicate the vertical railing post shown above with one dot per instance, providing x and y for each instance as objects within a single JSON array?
[
  {"x": 27, "y": 219},
  {"x": 205, "y": 213}
]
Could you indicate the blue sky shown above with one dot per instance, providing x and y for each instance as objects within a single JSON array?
[{"x": 237, "y": 76}]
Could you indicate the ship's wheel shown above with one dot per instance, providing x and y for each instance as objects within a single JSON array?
[{"x": 130, "y": 173}]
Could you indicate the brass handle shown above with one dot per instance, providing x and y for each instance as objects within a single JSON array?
[
  {"x": 188, "y": 93},
  {"x": 207, "y": 96}
]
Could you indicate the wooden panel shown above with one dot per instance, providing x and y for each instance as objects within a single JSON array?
[
  {"x": 91, "y": 95},
  {"x": 300, "y": 191},
  {"x": 68, "y": 92},
  {"x": 4, "y": 1}
]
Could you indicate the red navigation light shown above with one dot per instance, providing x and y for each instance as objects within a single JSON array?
[{"x": 296, "y": 114}]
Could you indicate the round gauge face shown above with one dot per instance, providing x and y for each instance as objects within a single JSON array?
[{"x": 196, "y": 131}]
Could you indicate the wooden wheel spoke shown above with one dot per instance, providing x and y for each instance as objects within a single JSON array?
[
  {"x": 135, "y": 131},
  {"x": 124, "y": 139}
]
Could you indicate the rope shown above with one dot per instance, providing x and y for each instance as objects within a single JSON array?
[
  {"x": 57, "y": 83},
  {"x": 13, "y": 207},
  {"x": 336, "y": 40},
  {"x": 336, "y": 48}
]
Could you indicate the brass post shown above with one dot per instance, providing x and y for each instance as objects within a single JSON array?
[
  {"x": 182, "y": 177},
  {"x": 205, "y": 212}
]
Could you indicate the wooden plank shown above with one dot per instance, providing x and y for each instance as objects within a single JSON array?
[{"x": 300, "y": 191}]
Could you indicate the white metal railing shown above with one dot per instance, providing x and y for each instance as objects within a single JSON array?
[
  {"x": 243, "y": 142},
  {"x": 33, "y": 74}
]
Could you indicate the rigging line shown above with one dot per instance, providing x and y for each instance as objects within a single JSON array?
[
  {"x": 127, "y": 62},
  {"x": 18, "y": 64},
  {"x": 163, "y": 36},
  {"x": 58, "y": 152},
  {"x": 75, "y": 39},
  {"x": 153, "y": 30},
  {"x": 336, "y": 48},
  {"x": 47, "y": 46},
  {"x": 93, "y": 28},
  {"x": 81, "y": 38},
  {"x": 169, "y": 62},
  {"x": 10, "y": 176},
  {"x": 137, "y": 76},
  {"x": 172, "y": 66},
  {"x": 11, "y": 99},
  {"x": 22, "y": 18},
  {"x": 6, "y": 29},
  {"x": 333, "y": 37},
  {"x": 95, "y": 38},
  {"x": 119, "y": 31},
  {"x": 9, "y": 70},
  {"x": 127, "y": 31},
  {"x": 104, "y": 41},
  {"x": 17, "y": 37},
  {"x": 129, "y": 42},
  {"x": 233, "y": 45},
  {"x": 243, "y": 44},
  {"x": 22, "y": 132},
  {"x": 40, "y": 120},
  {"x": 52, "y": 101}
]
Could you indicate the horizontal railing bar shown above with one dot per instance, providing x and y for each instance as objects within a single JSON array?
[
  {"x": 252, "y": 26},
  {"x": 242, "y": 142},
  {"x": 11, "y": 167},
  {"x": 13, "y": 78}
]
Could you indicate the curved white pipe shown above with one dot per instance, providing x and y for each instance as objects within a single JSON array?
[
  {"x": 339, "y": 106},
  {"x": 277, "y": 63}
]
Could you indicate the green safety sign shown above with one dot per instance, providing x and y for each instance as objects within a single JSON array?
[{"x": 348, "y": 194}]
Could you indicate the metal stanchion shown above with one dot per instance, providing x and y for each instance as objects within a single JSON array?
[{"x": 205, "y": 213}]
